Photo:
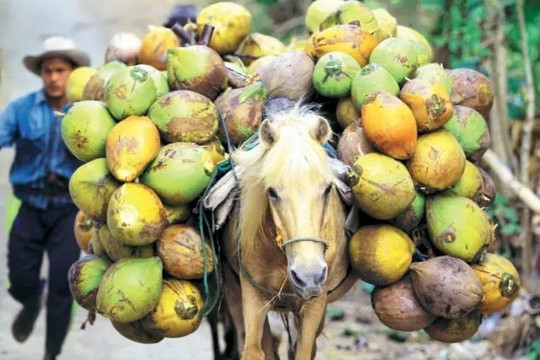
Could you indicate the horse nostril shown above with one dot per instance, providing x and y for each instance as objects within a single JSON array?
[
  {"x": 296, "y": 279},
  {"x": 323, "y": 276}
]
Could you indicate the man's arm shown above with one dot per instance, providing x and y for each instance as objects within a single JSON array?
[{"x": 8, "y": 126}]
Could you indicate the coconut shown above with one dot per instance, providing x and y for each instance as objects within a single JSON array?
[
  {"x": 458, "y": 227},
  {"x": 180, "y": 172},
  {"x": 130, "y": 289},
  {"x": 410, "y": 218},
  {"x": 91, "y": 186},
  {"x": 216, "y": 150},
  {"x": 123, "y": 46},
  {"x": 500, "y": 282},
  {"x": 333, "y": 74},
  {"x": 486, "y": 197},
  {"x": 353, "y": 143},
  {"x": 471, "y": 131},
  {"x": 381, "y": 186},
  {"x": 446, "y": 286},
  {"x": 84, "y": 129},
  {"x": 181, "y": 250},
  {"x": 135, "y": 331},
  {"x": 197, "y": 68},
  {"x": 241, "y": 111},
  {"x": 76, "y": 82},
  {"x": 132, "y": 144},
  {"x": 425, "y": 52},
  {"x": 84, "y": 277},
  {"x": 256, "y": 45},
  {"x": 159, "y": 77},
  {"x": 390, "y": 125},
  {"x": 185, "y": 116},
  {"x": 429, "y": 103},
  {"x": 435, "y": 73},
  {"x": 179, "y": 310},
  {"x": 83, "y": 230},
  {"x": 231, "y": 23},
  {"x": 117, "y": 250},
  {"x": 469, "y": 184},
  {"x": 135, "y": 215},
  {"x": 387, "y": 24},
  {"x": 396, "y": 306},
  {"x": 397, "y": 55},
  {"x": 178, "y": 213},
  {"x": 288, "y": 75},
  {"x": 130, "y": 91},
  {"x": 438, "y": 161},
  {"x": 95, "y": 87},
  {"x": 346, "y": 112},
  {"x": 472, "y": 89},
  {"x": 371, "y": 79},
  {"x": 95, "y": 246},
  {"x": 455, "y": 330},
  {"x": 317, "y": 11},
  {"x": 350, "y": 12},
  {"x": 380, "y": 254},
  {"x": 155, "y": 44}
]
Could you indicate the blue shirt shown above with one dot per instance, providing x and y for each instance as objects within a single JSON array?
[{"x": 30, "y": 124}]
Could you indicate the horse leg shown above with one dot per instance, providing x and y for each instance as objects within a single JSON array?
[
  {"x": 213, "y": 319},
  {"x": 255, "y": 310},
  {"x": 269, "y": 343},
  {"x": 311, "y": 321}
]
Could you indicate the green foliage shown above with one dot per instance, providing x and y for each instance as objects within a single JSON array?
[
  {"x": 505, "y": 215},
  {"x": 533, "y": 352}
]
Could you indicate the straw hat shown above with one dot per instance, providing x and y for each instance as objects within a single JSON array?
[{"x": 56, "y": 46}]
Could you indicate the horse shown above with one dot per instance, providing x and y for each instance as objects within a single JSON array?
[{"x": 285, "y": 245}]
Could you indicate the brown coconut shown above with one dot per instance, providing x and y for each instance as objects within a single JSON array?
[
  {"x": 396, "y": 306},
  {"x": 455, "y": 330},
  {"x": 353, "y": 143},
  {"x": 446, "y": 286},
  {"x": 473, "y": 89}
]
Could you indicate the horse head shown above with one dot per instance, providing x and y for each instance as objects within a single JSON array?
[{"x": 289, "y": 184}]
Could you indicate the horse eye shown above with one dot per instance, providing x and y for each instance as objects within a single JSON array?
[{"x": 273, "y": 194}]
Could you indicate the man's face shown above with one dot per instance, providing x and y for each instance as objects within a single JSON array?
[{"x": 55, "y": 72}]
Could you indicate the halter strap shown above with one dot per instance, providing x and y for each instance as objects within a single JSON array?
[{"x": 282, "y": 243}]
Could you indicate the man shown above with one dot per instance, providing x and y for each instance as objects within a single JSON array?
[{"x": 39, "y": 176}]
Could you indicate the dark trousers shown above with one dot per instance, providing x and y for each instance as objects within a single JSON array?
[{"x": 33, "y": 233}]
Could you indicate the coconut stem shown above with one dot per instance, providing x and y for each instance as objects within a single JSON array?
[
  {"x": 206, "y": 35},
  {"x": 183, "y": 34}
]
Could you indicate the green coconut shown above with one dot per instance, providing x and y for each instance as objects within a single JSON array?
[
  {"x": 317, "y": 11},
  {"x": 84, "y": 277},
  {"x": 91, "y": 187},
  {"x": 135, "y": 331},
  {"x": 159, "y": 77},
  {"x": 471, "y": 131},
  {"x": 333, "y": 74},
  {"x": 381, "y": 186},
  {"x": 470, "y": 183},
  {"x": 185, "y": 116},
  {"x": 197, "y": 68},
  {"x": 130, "y": 91},
  {"x": 411, "y": 217},
  {"x": 369, "y": 80},
  {"x": 136, "y": 215},
  {"x": 130, "y": 289},
  {"x": 85, "y": 127},
  {"x": 435, "y": 73},
  {"x": 458, "y": 227},
  {"x": 179, "y": 173},
  {"x": 397, "y": 55},
  {"x": 95, "y": 87},
  {"x": 117, "y": 250}
]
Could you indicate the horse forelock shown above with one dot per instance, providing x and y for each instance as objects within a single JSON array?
[{"x": 295, "y": 157}]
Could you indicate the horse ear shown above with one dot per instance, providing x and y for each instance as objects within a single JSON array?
[
  {"x": 267, "y": 132},
  {"x": 321, "y": 131}
]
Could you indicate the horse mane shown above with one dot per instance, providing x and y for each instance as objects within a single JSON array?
[{"x": 294, "y": 154}]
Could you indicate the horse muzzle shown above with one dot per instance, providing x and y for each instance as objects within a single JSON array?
[{"x": 308, "y": 283}]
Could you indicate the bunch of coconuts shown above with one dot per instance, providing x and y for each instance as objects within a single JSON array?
[
  {"x": 412, "y": 133},
  {"x": 154, "y": 121}
]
